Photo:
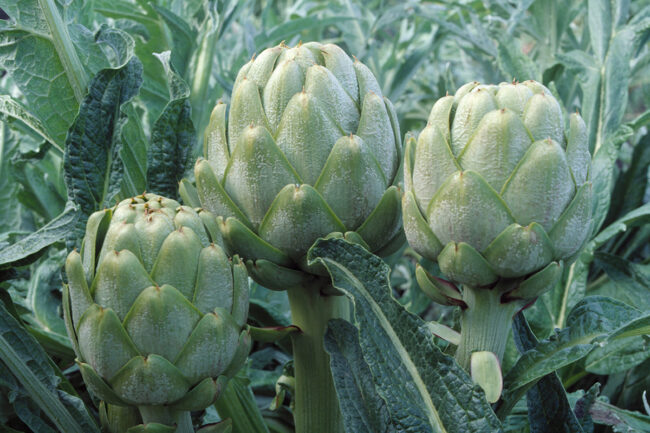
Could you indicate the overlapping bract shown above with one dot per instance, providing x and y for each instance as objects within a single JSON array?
[
  {"x": 310, "y": 148},
  {"x": 494, "y": 186},
  {"x": 154, "y": 309}
]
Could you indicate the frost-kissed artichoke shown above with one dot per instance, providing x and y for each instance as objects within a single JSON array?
[
  {"x": 154, "y": 309},
  {"x": 310, "y": 148},
  {"x": 498, "y": 194}
]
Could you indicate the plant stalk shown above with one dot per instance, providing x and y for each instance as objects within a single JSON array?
[
  {"x": 199, "y": 93},
  {"x": 316, "y": 406},
  {"x": 485, "y": 324},
  {"x": 163, "y": 415}
]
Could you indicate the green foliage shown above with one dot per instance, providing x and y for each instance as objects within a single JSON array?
[
  {"x": 398, "y": 351},
  {"x": 89, "y": 115}
]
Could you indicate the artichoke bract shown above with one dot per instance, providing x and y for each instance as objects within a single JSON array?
[
  {"x": 155, "y": 310},
  {"x": 310, "y": 148},
  {"x": 497, "y": 192}
]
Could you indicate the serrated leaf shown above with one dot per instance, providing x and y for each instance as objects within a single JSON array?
[
  {"x": 49, "y": 60},
  {"x": 514, "y": 63},
  {"x": 183, "y": 36},
  {"x": 617, "y": 355},
  {"x": 27, "y": 361},
  {"x": 172, "y": 137},
  {"x": 92, "y": 162},
  {"x": 631, "y": 185},
  {"x": 27, "y": 249},
  {"x": 12, "y": 109},
  {"x": 549, "y": 410},
  {"x": 141, "y": 12},
  {"x": 400, "y": 352},
  {"x": 636, "y": 217},
  {"x": 583, "y": 406},
  {"x": 43, "y": 296},
  {"x": 363, "y": 410},
  {"x": 631, "y": 280},
  {"x": 592, "y": 317},
  {"x": 621, "y": 420}
]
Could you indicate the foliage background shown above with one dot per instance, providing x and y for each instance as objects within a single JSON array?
[{"x": 593, "y": 55}]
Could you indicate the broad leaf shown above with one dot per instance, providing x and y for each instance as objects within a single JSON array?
[
  {"x": 631, "y": 281},
  {"x": 49, "y": 60},
  {"x": 364, "y": 411},
  {"x": 548, "y": 407},
  {"x": 28, "y": 249},
  {"x": 27, "y": 361},
  {"x": 93, "y": 163},
  {"x": 424, "y": 390},
  {"x": 592, "y": 317}
]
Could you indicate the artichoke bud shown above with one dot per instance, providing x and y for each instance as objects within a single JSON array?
[
  {"x": 505, "y": 193},
  {"x": 310, "y": 116},
  {"x": 162, "y": 317}
]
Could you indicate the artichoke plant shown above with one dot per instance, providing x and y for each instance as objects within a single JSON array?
[
  {"x": 498, "y": 194},
  {"x": 310, "y": 148},
  {"x": 155, "y": 310}
]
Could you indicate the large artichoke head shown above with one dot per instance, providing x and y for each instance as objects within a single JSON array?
[
  {"x": 496, "y": 188},
  {"x": 154, "y": 309},
  {"x": 310, "y": 148}
]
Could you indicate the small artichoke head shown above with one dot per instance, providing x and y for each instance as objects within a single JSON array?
[
  {"x": 154, "y": 308},
  {"x": 310, "y": 147},
  {"x": 496, "y": 187}
]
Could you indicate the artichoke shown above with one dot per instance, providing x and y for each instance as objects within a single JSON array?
[
  {"x": 154, "y": 309},
  {"x": 497, "y": 193},
  {"x": 310, "y": 148}
]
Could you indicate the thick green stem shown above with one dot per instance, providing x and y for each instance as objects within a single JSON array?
[
  {"x": 485, "y": 324},
  {"x": 316, "y": 407},
  {"x": 200, "y": 95},
  {"x": 163, "y": 415}
]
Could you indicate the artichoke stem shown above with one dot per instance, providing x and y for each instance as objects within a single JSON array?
[
  {"x": 316, "y": 407},
  {"x": 166, "y": 416},
  {"x": 485, "y": 324}
]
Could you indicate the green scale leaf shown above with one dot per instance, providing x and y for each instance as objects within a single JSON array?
[
  {"x": 256, "y": 173},
  {"x": 351, "y": 182},
  {"x": 297, "y": 217},
  {"x": 306, "y": 135}
]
